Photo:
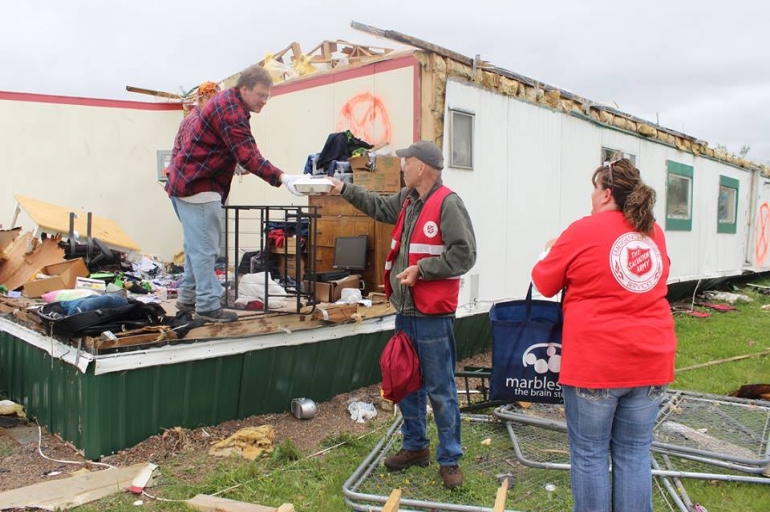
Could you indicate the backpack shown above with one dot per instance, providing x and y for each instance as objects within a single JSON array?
[
  {"x": 400, "y": 368},
  {"x": 135, "y": 315}
]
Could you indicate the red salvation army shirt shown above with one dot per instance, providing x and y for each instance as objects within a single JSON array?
[{"x": 618, "y": 327}]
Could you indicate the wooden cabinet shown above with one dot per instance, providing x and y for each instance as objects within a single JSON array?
[{"x": 338, "y": 218}]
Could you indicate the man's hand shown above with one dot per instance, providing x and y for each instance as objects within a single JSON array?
[
  {"x": 409, "y": 276},
  {"x": 337, "y": 188},
  {"x": 288, "y": 180}
]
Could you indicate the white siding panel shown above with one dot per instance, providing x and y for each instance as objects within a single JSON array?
[
  {"x": 97, "y": 159},
  {"x": 532, "y": 179}
]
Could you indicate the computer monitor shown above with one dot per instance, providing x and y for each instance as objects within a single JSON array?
[{"x": 350, "y": 252}]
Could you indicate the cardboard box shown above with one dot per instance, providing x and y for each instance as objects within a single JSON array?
[
  {"x": 289, "y": 246},
  {"x": 332, "y": 291},
  {"x": 385, "y": 177},
  {"x": 63, "y": 276}
]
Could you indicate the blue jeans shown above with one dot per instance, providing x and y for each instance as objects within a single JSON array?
[
  {"x": 434, "y": 341},
  {"x": 614, "y": 423},
  {"x": 202, "y": 232}
]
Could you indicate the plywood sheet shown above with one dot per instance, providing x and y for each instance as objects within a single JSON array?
[
  {"x": 71, "y": 492},
  {"x": 56, "y": 219}
]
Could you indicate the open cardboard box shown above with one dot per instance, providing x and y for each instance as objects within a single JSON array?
[
  {"x": 63, "y": 276},
  {"x": 385, "y": 177},
  {"x": 331, "y": 291}
]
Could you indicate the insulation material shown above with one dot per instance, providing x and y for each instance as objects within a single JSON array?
[{"x": 249, "y": 443}]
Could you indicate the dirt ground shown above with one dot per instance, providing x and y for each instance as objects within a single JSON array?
[{"x": 21, "y": 463}]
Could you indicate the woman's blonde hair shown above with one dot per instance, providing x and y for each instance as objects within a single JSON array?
[{"x": 635, "y": 199}]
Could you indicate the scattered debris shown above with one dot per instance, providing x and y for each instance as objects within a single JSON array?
[
  {"x": 763, "y": 290},
  {"x": 689, "y": 312},
  {"x": 730, "y": 298},
  {"x": 716, "y": 307},
  {"x": 142, "y": 479}
]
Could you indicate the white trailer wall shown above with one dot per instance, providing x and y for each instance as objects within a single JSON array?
[
  {"x": 92, "y": 158},
  {"x": 531, "y": 178}
]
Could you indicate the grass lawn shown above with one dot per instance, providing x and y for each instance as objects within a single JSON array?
[{"x": 315, "y": 484}]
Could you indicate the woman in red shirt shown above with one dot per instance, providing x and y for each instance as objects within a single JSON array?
[{"x": 618, "y": 341}]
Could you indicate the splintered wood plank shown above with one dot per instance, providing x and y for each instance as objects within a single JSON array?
[
  {"x": 6, "y": 237},
  {"x": 208, "y": 503},
  {"x": 56, "y": 219},
  {"x": 71, "y": 492},
  {"x": 337, "y": 313},
  {"x": 20, "y": 266}
]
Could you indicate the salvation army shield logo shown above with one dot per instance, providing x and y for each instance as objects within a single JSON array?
[
  {"x": 430, "y": 229},
  {"x": 636, "y": 262},
  {"x": 639, "y": 260}
]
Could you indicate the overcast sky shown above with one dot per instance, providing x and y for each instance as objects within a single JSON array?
[{"x": 700, "y": 67}]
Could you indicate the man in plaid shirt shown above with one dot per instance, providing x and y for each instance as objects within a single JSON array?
[{"x": 199, "y": 178}]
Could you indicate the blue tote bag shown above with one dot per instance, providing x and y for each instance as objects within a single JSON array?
[{"x": 526, "y": 350}]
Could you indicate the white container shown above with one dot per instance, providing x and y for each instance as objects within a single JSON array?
[
  {"x": 351, "y": 295},
  {"x": 309, "y": 185}
]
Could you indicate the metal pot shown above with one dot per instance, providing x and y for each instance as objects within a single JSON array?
[{"x": 303, "y": 408}]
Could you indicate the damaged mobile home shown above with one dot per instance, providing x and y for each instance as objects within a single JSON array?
[{"x": 519, "y": 152}]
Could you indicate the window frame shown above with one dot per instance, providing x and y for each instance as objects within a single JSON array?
[
  {"x": 686, "y": 171},
  {"x": 616, "y": 154},
  {"x": 729, "y": 227},
  {"x": 472, "y": 116}
]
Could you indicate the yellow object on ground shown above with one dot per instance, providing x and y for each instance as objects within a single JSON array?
[
  {"x": 249, "y": 443},
  {"x": 7, "y": 407}
]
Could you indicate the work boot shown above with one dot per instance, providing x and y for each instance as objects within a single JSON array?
[
  {"x": 184, "y": 307},
  {"x": 451, "y": 475},
  {"x": 218, "y": 315},
  {"x": 408, "y": 458}
]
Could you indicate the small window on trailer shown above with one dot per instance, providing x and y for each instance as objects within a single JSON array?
[
  {"x": 612, "y": 155},
  {"x": 461, "y": 139},
  {"x": 727, "y": 205},
  {"x": 679, "y": 188}
]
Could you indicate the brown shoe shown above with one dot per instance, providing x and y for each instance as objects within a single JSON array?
[
  {"x": 451, "y": 475},
  {"x": 408, "y": 458}
]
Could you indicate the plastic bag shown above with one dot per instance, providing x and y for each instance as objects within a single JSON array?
[
  {"x": 361, "y": 411},
  {"x": 252, "y": 287}
]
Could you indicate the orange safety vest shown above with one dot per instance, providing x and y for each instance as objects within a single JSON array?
[{"x": 435, "y": 296}]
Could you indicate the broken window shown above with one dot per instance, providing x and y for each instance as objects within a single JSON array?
[{"x": 612, "y": 155}]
